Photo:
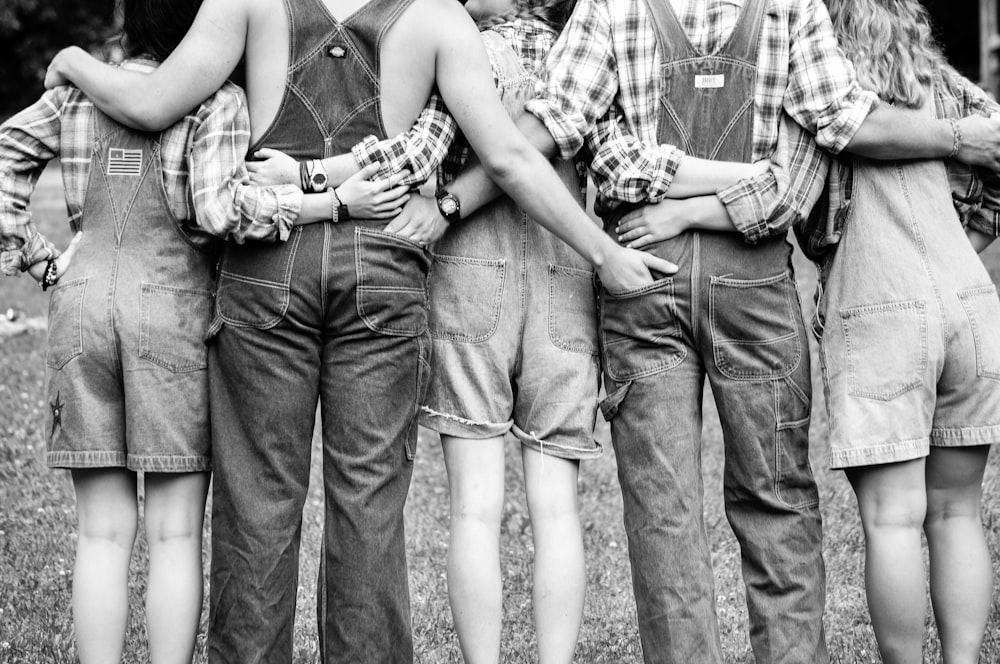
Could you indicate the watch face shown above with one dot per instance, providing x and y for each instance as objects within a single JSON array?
[
  {"x": 318, "y": 181},
  {"x": 449, "y": 205}
]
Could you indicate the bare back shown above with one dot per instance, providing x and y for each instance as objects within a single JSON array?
[{"x": 407, "y": 60}]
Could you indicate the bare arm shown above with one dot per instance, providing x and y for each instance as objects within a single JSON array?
[
  {"x": 193, "y": 72},
  {"x": 466, "y": 85}
]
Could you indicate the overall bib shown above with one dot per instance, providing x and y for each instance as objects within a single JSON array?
[
  {"x": 513, "y": 318},
  {"x": 336, "y": 315},
  {"x": 909, "y": 348},
  {"x": 730, "y": 314},
  {"x": 126, "y": 362}
]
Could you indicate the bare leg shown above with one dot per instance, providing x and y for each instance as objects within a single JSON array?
[
  {"x": 559, "y": 574},
  {"x": 175, "y": 510},
  {"x": 106, "y": 512},
  {"x": 475, "y": 592},
  {"x": 961, "y": 573},
  {"x": 892, "y": 501}
]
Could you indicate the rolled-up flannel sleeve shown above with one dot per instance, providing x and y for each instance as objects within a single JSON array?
[
  {"x": 769, "y": 204},
  {"x": 579, "y": 80},
  {"x": 226, "y": 204},
  {"x": 28, "y": 140},
  {"x": 823, "y": 93},
  {"x": 627, "y": 169},
  {"x": 986, "y": 217},
  {"x": 419, "y": 150}
]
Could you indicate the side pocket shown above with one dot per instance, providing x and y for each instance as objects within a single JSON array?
[
  {"x": 254, "y": 280},
  {"x": 886, "y": 348},
  {"x": 424, "y": 350},
  {"x": 172, "y": 326},
  {"x": 794, "y": 482},
  {"x": 392, "y": 282},
  {"x": 572, "y": 309},
  {"x": 465, "y": 296},
  {"x": 65, "y": 323},
  {"x": 983, "y": 309},
  {"x": 640, "y": 335}
]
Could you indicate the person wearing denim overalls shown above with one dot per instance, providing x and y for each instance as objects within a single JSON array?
[
  {"x": 335, "y": 315},
  {"x": 730, "y": 314}
]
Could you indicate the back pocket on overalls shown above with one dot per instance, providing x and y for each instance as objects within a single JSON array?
[
  {"x": 392, "y": 283},
  {"x": 886, "y": 346},
  {"x": 572, "y": 309},
  {"x": 172, "y": 326},
  {"x": 640, "y": 335},
  {"x": 756, "y": 326},
  {"x": 65, "y": 323},
  {"x": 254, "y": 280},
  {"x": 465, "y": 295},
  {"x": 983, "y": 309}
]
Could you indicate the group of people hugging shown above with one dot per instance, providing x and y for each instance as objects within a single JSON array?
[{"x": 388, "y": 225}]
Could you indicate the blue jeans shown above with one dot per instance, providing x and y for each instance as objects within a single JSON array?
[
  {"x": 731, "y": 314},
  {"x": 336, "y": 315}
]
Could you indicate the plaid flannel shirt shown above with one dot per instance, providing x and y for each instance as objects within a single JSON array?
[
  {"x": 204, "y": 175},
  {"x": 608, "y": 59},
  {"x": 975, "y": 192}
]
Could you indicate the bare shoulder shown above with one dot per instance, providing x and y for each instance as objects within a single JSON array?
[{"x": 439, "y": 21}]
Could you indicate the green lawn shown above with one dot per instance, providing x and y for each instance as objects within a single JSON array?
[{"x": 37, "y": 531}]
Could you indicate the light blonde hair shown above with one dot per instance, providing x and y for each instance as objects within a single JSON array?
[
  {"x": 555, "y": 13},
  {"x": 891, "y": 46}
]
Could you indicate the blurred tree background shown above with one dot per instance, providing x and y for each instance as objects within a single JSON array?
[{"x": 32, "y": 31}]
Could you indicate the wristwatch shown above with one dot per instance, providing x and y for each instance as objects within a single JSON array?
[
  {"x": 317, "y": 176},
  {"x": 448, "y": 206}
]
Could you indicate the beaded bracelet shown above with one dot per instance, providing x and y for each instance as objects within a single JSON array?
[
  {"x": 956, "y": 132},
  {"x": 49, "y": 277}
]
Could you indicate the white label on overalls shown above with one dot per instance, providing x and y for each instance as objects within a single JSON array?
[
  {"x": 710, "y": 81},
  {"x": 124, "y": 162}
]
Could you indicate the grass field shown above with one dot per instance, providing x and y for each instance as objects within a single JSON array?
[{"x": 37, "y": 531}]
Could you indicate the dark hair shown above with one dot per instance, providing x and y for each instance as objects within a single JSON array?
[{"x": 155, "y": 27}]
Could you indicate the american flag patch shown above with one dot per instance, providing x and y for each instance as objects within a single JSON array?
[{"x": 124, "y": 162}]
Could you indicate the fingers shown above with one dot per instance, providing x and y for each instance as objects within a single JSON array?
[
  {"x": 267, "y": 153},
  {"x": 641, "y": 241},
  {"x": 367, "y": 172},
  {"x": 657, "y": 264},
  {"x": 64, "y": 260}
]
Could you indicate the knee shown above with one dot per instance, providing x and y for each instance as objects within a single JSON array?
[
  {"x": 115, "y": 529},
  {"x": 897, "y": 515},
  {"x": 963, "y": 503}
]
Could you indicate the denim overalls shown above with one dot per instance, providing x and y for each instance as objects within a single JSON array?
[
  {"x": 126, "y": 361},
  {"x": 910, "y": 352},
  {"x": 732, "y": 314},
  {"x": 513, "y": 318},
  {"x": 335, "y": 315}
]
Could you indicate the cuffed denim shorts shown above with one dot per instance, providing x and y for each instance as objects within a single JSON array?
[{"x": 514, "y": 327}]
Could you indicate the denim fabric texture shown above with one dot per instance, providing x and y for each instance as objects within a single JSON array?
[
  {"x": 513, "y": 317},
  {"x": 335, "y": 316},
  {"x": 905, "y": 314},
  {"x": 731, "y": 315},
  {"x": 127, "y": 378}
]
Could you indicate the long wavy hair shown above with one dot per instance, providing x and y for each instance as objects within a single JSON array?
[
  {"x": 553, "y": 12},
  {"x": 891, "y": 46}
]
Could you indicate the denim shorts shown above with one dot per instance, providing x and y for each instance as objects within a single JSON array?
[
  {"x": 128, "y": 390},
  {"x": 514, "y": 327},
  {"x": 909, "y": 317}
]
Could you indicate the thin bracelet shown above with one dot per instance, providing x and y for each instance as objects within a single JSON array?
[
  {"x": 334, "y": 205},
  {"x": 304, "y": 175},
  {"x": 956, "y": 133}
]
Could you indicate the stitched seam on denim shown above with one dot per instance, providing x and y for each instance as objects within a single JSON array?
[
  {"x": 918, "y": 307},
  {"x": 667, "y": 286},
  {"x": 362, "y": 288},
  {"x": 779, "y": 471},
  {"x": 964, "y": 297},
  {"x": 724, "y": 365},
  {"x": 76, "y": 332},
  {"x": 500, "y": 276},
  {"x": 554, "y": 336}
]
